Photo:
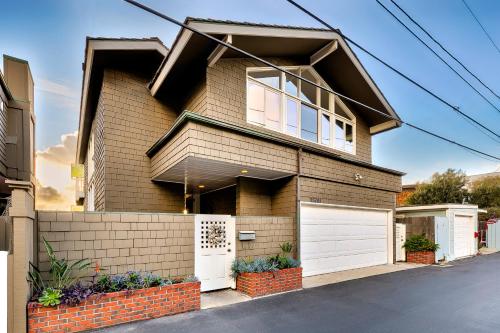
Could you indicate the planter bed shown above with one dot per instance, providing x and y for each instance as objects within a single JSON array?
[
  {"x": 102, "y": 310},
  {"x": 421, "y": 257},
  {"x": 266, "y": 283}
]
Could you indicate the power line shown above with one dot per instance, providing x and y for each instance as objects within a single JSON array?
[
  {"x": 482, "y": 27},
  {"x": 454, "y": 108},
  {"x": 444, "y": 49},
  {"x": 446, "y": 63},
  {"x": 232, "y": 47}
]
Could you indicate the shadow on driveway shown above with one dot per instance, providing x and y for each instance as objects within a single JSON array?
[{"x": 461, "y": 298}]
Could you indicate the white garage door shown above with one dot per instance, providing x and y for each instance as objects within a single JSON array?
[
  {"x": 464, "y": 236},
  {"x": 334, "y": 238}
]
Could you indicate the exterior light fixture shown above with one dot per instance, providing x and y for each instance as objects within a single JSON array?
[
  {"x": 185, "y": 211},
  {"x": 201, "y": 186},
  {"x": 244, "y": 171}
]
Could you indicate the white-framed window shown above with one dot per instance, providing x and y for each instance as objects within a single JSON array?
[{"x": 288, "y": 105}]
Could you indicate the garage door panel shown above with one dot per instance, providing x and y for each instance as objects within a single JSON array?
[
  {"x": 463, "y": 236},
  {"x": 342, "y": 248},
  {"x": 323, "y": 265},
  {"x": 334, "y": 238}
]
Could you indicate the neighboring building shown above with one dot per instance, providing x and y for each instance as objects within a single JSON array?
[
  {"x": 202, "y": 129},
  {"x": 17, "y": 124},
  {"x": 481, "y": 176},
  {"x": 407, "y": 190},
  {"x": 453, "y": 226}
]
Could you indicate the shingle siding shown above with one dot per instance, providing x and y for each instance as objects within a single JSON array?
[{"x": 132, "y": 120}]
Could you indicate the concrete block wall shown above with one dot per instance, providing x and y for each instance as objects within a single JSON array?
[
  {"x": 120, "y": 242},
  {"x": 270, "y": 231}
]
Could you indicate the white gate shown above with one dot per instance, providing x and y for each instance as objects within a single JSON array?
[
  {"x": 215, "y": 250},
  {"x": 400, "y": 240}
]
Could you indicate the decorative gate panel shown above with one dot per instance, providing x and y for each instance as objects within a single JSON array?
[{"x": 214, "y": 250}]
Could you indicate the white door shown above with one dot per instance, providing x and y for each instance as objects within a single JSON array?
[
  {"x": 464, "y": 236},
  {"x": 214, "y": 250},
  {"x": 336, "y": 238},
  {"x": 400, "y": 241}
]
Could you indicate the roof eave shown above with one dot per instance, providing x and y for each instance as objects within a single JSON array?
[{"x": 106, "y": 44}]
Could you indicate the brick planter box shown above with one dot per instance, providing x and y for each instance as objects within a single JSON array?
[
  {"x": 115, "y": 308},
  {"x": 421, "y": 257},
  {"x": 260, "y": 284}
]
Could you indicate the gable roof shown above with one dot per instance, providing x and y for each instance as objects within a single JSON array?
[
  {"x": 99, "y": 52},
  {"x": 268, "y": 40}
]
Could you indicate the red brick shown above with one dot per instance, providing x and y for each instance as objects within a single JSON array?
[
  {"x": 260, "y": 284},
  {"x": 115, "y": 308},
  {"x": 421, "y": 257}
]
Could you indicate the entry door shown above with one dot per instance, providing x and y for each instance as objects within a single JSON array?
[
  {"x": 400, "y": 240},
  {"x": 214, "y": 250},
  {"x": 464, "y": 236}
]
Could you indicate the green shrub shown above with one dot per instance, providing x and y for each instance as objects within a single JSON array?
[
  {"x": 50, "y": 297},
  {"x": 420, "y": 243},
  {"x": 259, "y": 265},
  {"x": 286, "y": 248}
]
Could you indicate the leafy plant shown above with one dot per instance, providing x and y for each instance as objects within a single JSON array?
[
  {"x": 190, "y": 278},
  {"x": 35, "y": 280},
  {"x": 259, "y": 265},
  {"x": 75, "y": 294},
  {"x": 286, "y": 248},
  {"x": 447, "y": 187},
  {"x": 50, "y": 297},
  {"x": 420, "y": 243},
  {"x": 63, "y": 273}
]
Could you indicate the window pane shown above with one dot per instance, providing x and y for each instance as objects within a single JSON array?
[
  {"x": 339, "y": 134},
  {"x": 325, "y": 99},
  {"x": 272, "y": 110},
  {"x": 255, "y": 103},
  {"x": 270, "y": 77},
  {"x": 309, "y": 123},
  {"x": 291, "y": 84},
  {"x": 292, "y": 118},
  {"x": 340, "y": 111},
  {"x": 348, "y": 138},
  {"x": 308, "y": 91},
  {"x": 325, "y": 129}
]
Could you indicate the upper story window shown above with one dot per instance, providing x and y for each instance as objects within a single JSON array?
[
  {"x": 286, "y": 104},
  {"x": 90, "y": 157}
]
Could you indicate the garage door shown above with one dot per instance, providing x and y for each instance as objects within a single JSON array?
[
  {"x": 464, "y": 236},
  {"x": 336, "y": 238}
]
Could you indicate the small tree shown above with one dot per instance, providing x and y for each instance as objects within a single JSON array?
[
  {"x": 486, "y": 194},
  {"x": 447, "y": 187}
]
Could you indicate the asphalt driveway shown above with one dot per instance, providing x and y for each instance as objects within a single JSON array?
[{"x": 462, "y": 298}]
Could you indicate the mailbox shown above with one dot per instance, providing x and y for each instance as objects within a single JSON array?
[{"x": 247, "y": 235}]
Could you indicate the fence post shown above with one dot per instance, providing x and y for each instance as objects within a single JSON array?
[{"x": 22, "y": 213}]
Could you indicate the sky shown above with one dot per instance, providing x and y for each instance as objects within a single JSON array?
[{"x": 50, "y": 34}]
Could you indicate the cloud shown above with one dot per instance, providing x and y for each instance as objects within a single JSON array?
[
  {"x": 55, "y": 188},
  {"x": 64, "y": 152},
  {"x": 56, "y": 88}
]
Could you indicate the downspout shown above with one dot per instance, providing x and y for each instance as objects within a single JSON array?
[{"x": 297, "y": 210}]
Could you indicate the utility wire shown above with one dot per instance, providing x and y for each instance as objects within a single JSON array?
[
  {"x": 232, "y": 47},
  {"x": 482, "y": 27},
  {"x": 447, "y": 64},
  {"x": 444, "y": 49},
  {"x": 454, "y": 108},
  {"x": 436, "y": 54}
]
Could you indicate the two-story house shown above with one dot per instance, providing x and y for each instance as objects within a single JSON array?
[
  {"x": 17, "y": 125},
  {"x": 201, "y": 129}
]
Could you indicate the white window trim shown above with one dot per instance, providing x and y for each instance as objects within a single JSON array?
[{"x": 333, "y": 101}]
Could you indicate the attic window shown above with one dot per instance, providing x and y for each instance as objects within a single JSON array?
[{"x": 286, "y": 104}]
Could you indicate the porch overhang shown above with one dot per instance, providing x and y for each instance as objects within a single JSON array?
[{"x": 205, "y": 175}]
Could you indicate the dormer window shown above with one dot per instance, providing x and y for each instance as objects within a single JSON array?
[{"x": 283, "y": 103}]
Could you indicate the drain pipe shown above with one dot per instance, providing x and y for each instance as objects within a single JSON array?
[{"x": 297, "y": 209}]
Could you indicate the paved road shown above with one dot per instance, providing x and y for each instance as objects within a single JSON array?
[{"x": 462, "y": 298}]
